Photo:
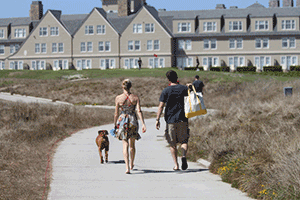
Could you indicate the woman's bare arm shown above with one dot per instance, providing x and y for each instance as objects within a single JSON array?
[
  {"x": 140, "y": 114},
  {"x": 116, "y": 111}
]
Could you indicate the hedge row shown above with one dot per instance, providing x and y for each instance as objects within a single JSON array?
[
  {"x": 246, "y": 69},
  {"x": 272, "y": 69},
  {"x": 295, "y": 68}
]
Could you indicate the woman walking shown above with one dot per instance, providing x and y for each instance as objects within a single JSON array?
[{"x": 126, "y": 123}]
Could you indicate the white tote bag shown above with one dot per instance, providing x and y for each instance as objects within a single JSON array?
[{"x": 194, "y": 104}]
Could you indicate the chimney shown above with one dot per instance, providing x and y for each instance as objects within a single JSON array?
[
  {"x": 288, "y": 3},
  {"x": 274, "y": 3},
  {"x": 222, "y": 6},
  {"x": 298, "y": 3},
  {"x": 36, "y": 10},
  {"x": 123, "y": 8},
  {"x": 233, "y": 7},
  {"x": 136, "y": 5}
]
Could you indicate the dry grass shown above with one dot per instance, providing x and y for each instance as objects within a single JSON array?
[
  {"x": 253, "y": 142},
  {"x": 26, "y": 133}
]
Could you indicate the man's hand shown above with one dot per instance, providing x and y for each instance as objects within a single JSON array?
[{"x": 157, "y": 125}]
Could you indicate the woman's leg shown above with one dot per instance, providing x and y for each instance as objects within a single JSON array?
[
  {"x": 132, "y": 152},
  {"x": 126, "y": 156}
]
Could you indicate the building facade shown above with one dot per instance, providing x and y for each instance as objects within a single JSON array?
[{"x": 124, "y": 31}]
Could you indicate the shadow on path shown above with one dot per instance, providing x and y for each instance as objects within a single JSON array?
[{"x": 149, "y": 171}]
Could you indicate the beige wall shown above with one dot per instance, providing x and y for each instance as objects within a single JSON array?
[
  {"x": 175, "y": 25},
  {"x": 201, "y": 22},
  {"x": 110, "y": 35},
  {"x": 279, "y": 23},
  {"x": 159, "y": 34},
  {"x": 243, "y": 20},
  {"x": 27, "y": 51}
]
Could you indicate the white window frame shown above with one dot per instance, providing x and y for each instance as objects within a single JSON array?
[
  {"x": 181, "y": 44},
  {"x": 149, "y": 44},
  {"x": 2, "y": 49},
  {"x": 285, "y": 63},
  {"x": 261, "y": 42},
  {"x": 209, "y": 43},
  {"x": 79, "y": 65},
  {"x": 54, "y": 31},
  {"x": 37, "y": 48},
  {"x": 188, "y": 45},
  {"x": 89, "y": 46},
  {"x": 236, "y": 61},
  {"x": 262, "y": 25},
  {"x": 210, "y": 26},
  {"x": 137, "y": 28},
  {"x": 54, "y": 48},
  {"x": 137, "y": 43},
  {"x": 43, "y": 48},
  {"x": 184, "y": 25},
  {"x": 20, "y": 32},
  {"x": 262, "y": 59},
  {"x": 232, "y": 43},
  {"x": 43, "y": 31},
  {"x": 161, "y": 63},
  {"x": 101, "y": 45},
  {"x": 83, "y": 47},
  {"x": 156, "y": 45},
  {"x": 292, "y": 38},
  {"x": 107, "y": 46},
  {"x": 149, "y": 28},
  {"x": 292, "y": 24},
  {"x": 101, "y": 29},
  {"x": 112, "y": 63},
  {"x": 213, "y": 41},
  {"x": 2, "y": 33},
  {"x": 61, "y": 47},
  {"x": 89, "y": 30},
  {"x": 130, "y": 45},
  {"x": 235, "y": 26}
]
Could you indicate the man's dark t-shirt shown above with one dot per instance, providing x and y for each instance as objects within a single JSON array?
[
  {"x": 198, "y": 85},
  {"x": 173, "y": 97}
]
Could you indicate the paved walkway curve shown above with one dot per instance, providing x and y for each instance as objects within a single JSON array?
[{"x": 78, "y": 174}]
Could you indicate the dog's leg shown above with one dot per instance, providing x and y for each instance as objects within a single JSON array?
[
  {"x": 106, "y": 156},
  {"x": 100, "y": 154}
]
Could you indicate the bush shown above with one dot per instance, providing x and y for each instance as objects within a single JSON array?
[
  {"x": 215, "y": 69},
  {"x": 194, "y": 68},
  {"x": 246, "y": 69},
  {"x": 272, "y": 68},
  {"x": 220, "y": 69},
  {"x": 295, "y": 68}
]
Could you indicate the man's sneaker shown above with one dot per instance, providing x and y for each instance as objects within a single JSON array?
[{"x": 184, "y": 164}]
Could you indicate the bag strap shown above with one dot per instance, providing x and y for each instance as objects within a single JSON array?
[{"x": 196, "y": 97}]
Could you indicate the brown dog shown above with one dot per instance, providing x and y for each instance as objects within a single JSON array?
[{"x": 103, "y": 143}]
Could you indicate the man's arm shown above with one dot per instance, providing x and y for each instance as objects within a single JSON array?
[{"x": 160, "y": 109}]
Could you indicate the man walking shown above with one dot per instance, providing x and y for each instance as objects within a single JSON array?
[
  {"x": 177, "y": 124},
  {"x": 140, "y": 63},
  {"x": 198, "y": 84}
]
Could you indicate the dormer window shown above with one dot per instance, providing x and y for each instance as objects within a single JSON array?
[
  {"x": 288, "y": 24},
  {"x": 184, "y": 27},
  {"x": 235, "y": 25},
  {"x": 20, "y": 33},
  {"x": 210, "y": 26},
  {"x": 261, "y": 25}
]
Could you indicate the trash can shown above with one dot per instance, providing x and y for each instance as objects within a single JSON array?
[{"x": 288, "y": 91}]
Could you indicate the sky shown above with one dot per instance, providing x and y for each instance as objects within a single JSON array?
[{"x": 20, "y": 8}]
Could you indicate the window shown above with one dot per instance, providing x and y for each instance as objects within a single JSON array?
[
  {"x": 210, "y": 61},
  {"x": 2, "y": 51},
  {"x": 1, "y": 33},
  {"x": 14, "y": 48},
  {"x": 236, "y": 61},
  {"x": 101, "y": 29},
  {"x": 261, "y": 61},
  {"x": 184, "y": 27},
  {"x": 210, "y": 44},
  {"x": 231, "y": 43},
  {"x": 137, "y": 45},
  {"x": 60, "y": 47},
  {"x": 43, "y": 66},
  {"x": 79, "y": 65},
  {"x": 89, "y": 46},
  {"x": 185, "y": 44},
  {"x": 235, "y": 25},
  {"x": 20, "y": 33},
  {"x": 83, "y": 47},
  {"x": 107, "y": 63},
  {"x": 89, "y": 30},
  {"x": 107, "y": 46},
  {"x": 130, "y": 45},
  {"x": 209, "y": 26},
  {"x": 54, "y": 47},
  {"x": 44, "y": 48},
  {"x": 261, "y": 25},
  {"x": 239, "y": 43},
  {"x": 101, "y": 46},
  {"x": 112, "y": 64},
  {"x": 54, "y": 31},
  {"x": 33, "y": 65},
  {"x": 288, "y": 25},
  {"x": 137, "y": 28},
  {"x": 43, "y": 31},
  {"x": 289, "y": 42},
  {"x": 149, "y": 45},
  {"x": 149, "y": 28},
  {"x": 156, "y": 45},
  {"x": 37, "y": 48},
  {"x": 262, "y": 43},
  {"x": 156, "y": 63},
  {"x": 2, "y": 65}
]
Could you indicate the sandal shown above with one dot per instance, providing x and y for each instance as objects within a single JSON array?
[
  {"x": 176, "y": 169},
  {"x": 184, "y": 165}
]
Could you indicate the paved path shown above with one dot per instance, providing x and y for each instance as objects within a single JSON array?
[{"x": 78, "y": 174}]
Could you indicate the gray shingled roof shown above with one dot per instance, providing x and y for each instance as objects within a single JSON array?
[
  {"x": 20, "y": 21},
  {"x": 73, "y": 22},
  {"x": 120, "y": 23}
]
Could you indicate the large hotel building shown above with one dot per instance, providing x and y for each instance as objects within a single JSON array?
[{"x": 124, "y": 31}]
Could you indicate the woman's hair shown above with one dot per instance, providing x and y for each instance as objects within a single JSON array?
[{"x": 126, "y": 84}]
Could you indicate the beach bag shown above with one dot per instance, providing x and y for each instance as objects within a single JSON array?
[{"x": 194, "y": 104}]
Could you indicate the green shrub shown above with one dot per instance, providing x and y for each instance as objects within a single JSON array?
[
  {"x": 215, "y": 69},
  {"x": 272, "y": 68},
  {"x": 295, "y": 68},
  {"x": 246, "y": 69},
  {"x": 194, "y": 68}
]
